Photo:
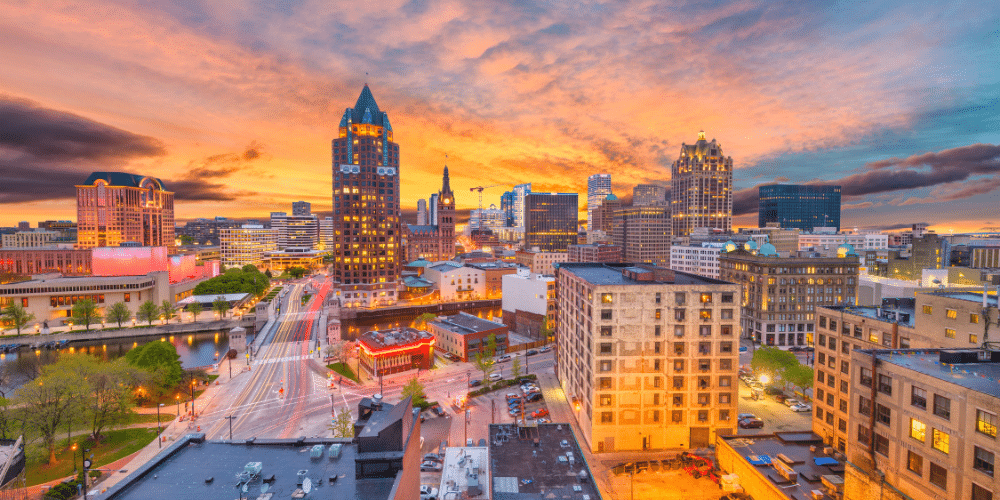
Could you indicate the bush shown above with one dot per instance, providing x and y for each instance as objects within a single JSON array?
[
  {"x": 426, "y": 404},
  {"x": 62, "y": 491}
]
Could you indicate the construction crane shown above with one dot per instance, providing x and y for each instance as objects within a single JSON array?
[{"x": 480, "y": 189}]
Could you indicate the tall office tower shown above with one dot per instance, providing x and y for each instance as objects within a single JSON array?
[
  {"x": 366, "y": 205},
  {"x": 598, "y": 188},
  {"x": 799, "y": 206},
  {"x": 643, "y": 233},
  {"x": 421, "y": 212},
  {"x": 550, "y": 221},
  {"x": 432, "y": 207},
  {"x": 701, "y": 188},
  {"x": 648, "y": 356},
  {"x": 248, "y": 244},
  {"x": 113, "y": 208},
  {"x": 296, "y": 233},
  {"x": 649, "y": 195},
  {"x": 301, "y": 208},
  {"x": 507, "y": 205},
  {"x": 326, "y": 234},
  {"x": 520, "y": 191}
]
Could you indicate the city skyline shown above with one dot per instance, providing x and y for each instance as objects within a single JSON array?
[{"x": 233, "y": 108}]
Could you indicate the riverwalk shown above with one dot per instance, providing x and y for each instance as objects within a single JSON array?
[{"x": 109, "y": 333}]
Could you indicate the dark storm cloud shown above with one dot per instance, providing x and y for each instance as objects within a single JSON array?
[
  {"x": 918, "y": 171},
  {"x": 24, "y": 183},
  {"x": 48, "y": 134},
  {"x": 210, "y": 178}
]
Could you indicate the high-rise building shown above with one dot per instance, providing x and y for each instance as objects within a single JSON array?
[
  {"x": 367, "y": 228},
  {"x": 604, "y": 216},
  {"x": 598, "y": 188},
  {"x": 326, "y": 233},
  {"x": 701, "y": 188},
  {"x": 648, "y": 356},
  {"x": 296, "y": 233},
  {"x": 303, "y": 208},
  {"x": 780, "y": 294},
  {"x": 649, "y": 195},
  {"x": 248, "y": 244},
  {"x": 550, "y": 221},
  {"x": 113, "y": 208},
  {"x": 421, "y": 212},
  {"x": 799, "y": 206},
  {"x": 435, "y": 242},
  {"x": 520, "y": 191},
  {"x": 491, "y": 218},
  {"x": 507, "y": 205},
  {"x": 643, "y": 233},
  {"x": 432, "y": 209}
]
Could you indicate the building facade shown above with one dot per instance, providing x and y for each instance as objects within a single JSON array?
[
  {"x": 39, "y": 260},
  {"x": 923, "y": 425},
  {"x": 598, "y": 188},
  {"x": 491, "y": 218},
  {"x": 366, "y": 213},
  {"x": 649, "y": 195},
  {"x": 828, "y": 243},
  {"x": 455, "y": 281},
  {"x": 435, "y": 242},
  {"x": 23, "y": 239},
  {"x": 422, "y": 212},
  {"x": 113, "y": 208},
  {"x": 799, "y": 206},
  {"x": 594, "y": 252},
  {"x": 702, "y": 260},
  {"x": 643, "y": 233},
  {"x": 520, "y": 192},
  {"x": 529, "y": 303},
  {"x": 647, "y": 355},
  {"x": 301, "y": 208},
  {"x": 384, "y": 352},
  {"x": 701, "y": 185},
  {"x": 296, "y": 233},
  {"x": 780, "y": 294},
  {"x": 465, "y": 335},
  {"x": 550, "y": 221},
  {"x": 540, "y": 262},
  {"x": 244, "y": 245}
]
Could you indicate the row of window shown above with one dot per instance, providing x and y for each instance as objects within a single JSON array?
[
  {"x": 607, "y": 349},
  {"x": 952, "y": 314},
  {"x": 676, "y": 416},
  {"x": 680, "y": 298}
]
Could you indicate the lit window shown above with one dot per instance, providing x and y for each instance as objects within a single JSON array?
[
  {"x": 940, "y": 440},
  {"x": 986, "y": 423},
  {"x": 950, "y": 333},
  {"x": 951, "y": 313},
  {"x": 918, "y": 430},
  {"x": 607, "y": 298}
]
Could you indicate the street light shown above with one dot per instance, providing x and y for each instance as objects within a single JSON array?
[
  {"x": 73, "y": 448},
  {"x": 193, "y": 383},
  {"x": 159, "y": 439},
  {"x": 178, "y": 398}
]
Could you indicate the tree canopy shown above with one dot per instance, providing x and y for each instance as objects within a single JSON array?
[
  {"x": 85, "y": 312},
  {"x": 415, "y": 389},
  {"x": 236, "y": 280},
  {"x": 118, "y": 313},
  {"x": 772, "y": 360},
  {"x": 159, "y": 358},
  {"x": 484, "y": 359}
]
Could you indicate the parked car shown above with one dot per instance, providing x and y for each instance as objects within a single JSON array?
[
  {"x": 433, "y": 457},
  {"x": 531, "y": 352},
  {"x": 743, "y": 348},
  {"x": 475, "y": 383},
  {"x": 541, "y": 412},
  {"x": 511, "y": 395},
  {"x": 503, "y": 359},
  {"x": 544, "y": 420},
  {"x": 428, "y": 492},
  {"x": 792, "y": 402},
  {"x": 514, "y": 411},
  {"x": 495, "y": 376},
  {"x": 514, "y": 402},
  {"x": 780, "y": 398},
  {"x": 438, "y": 410},
  {"x": 742, "y": 416},
  {"x": 795, "y": 348},
  {"x": 545, "y": 349},
  {"x": 452, "y": 356},
  {"x": 801, "y": 407},
  {"x": 429, "y": 466},
  {"x": 532, "y": 397},
  {"x": 751, "y": 423}
]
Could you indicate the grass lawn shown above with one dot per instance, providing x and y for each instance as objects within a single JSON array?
[
  {"x": 343, "y": 369},
  {"x": 115, "y": 445}
]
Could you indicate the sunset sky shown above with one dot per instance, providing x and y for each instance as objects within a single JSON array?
[{"x": 233, "y": 104}]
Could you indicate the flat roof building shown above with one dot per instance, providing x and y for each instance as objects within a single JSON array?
[
  {"x": 801, "y": 206},
  {"x": 550, "y": 221},
  {"x": 783, "y": 465},
  {"x": 538, "y": 461},
  {"x": 395, "y": 350},
  {"x": 464, "y": 335}
]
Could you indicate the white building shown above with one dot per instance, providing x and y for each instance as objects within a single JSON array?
[
  {"x": 520, "y": 191},
  {"x": 702, "y": 260},
  {"x": 23, "y": 239},
  {"x": 326, "y": 233},
  {"x": 296, "y": 233},
  {"x": 828, "y": 243},
  {"x": 239, "y": 246},
  {"x": 455, "y": 281},
  {"x": 598, "y": 188},
  {"x": 529, "y": 302},
  {"x": 492, "y": 218}
]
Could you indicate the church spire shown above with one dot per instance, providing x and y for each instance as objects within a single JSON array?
[{"x": 445, "y": 181}]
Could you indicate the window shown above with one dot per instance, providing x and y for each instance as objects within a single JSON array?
[
  {"x": 606, "y": 331},
  {"x": 949, "y": 332},
  {"x": 726, "y": 314},
  {"x": 928, "y": 310},
  {"x": 727, "y": 298},
  {"x": 659, "y": 312},
  {"x": 918, "y": 430},
  {"x": 951, "y": 313},
  {"x": 678, "y": 330},
  {"x": 606, "y": 366},
  {"x": 676, "y": 416},
  {"x": 939, "y": 440},
  {"x": 724, "y": 415},
  {"x": 973, "y": 338},
  {"x": 942, "y": 406},
  {"x": 918, "y": 397},
  {"x": 706, "y": 314},
  {"x": 881, "y": 444},
  {"x": 843, "y": 405},
  {"x": 678, "y": 382},
  {"x": 842, "y": 425},
  {"x": 702, "y": 415},
  {"x": 725, "y": 381},
  {"x": 678, "y": 314},
  {"x": 883, "y": 414},
  {"x": 864, "y": 435},
  {"x": 982, "y": 461},
  {"x": 604, "y": 383},
  {"x": 128, "y": 297},
  {"x": 885, "y": 384},
  {"x": 724, "y": 398},
  {"x": 678, "y": 400},
  {"x": 973, "y": 318},
  {"x": 915, "y": 463},
  {"x": 864, "y": 406},
  {"x": 605, "y": 314},
  {"x": 607, "y": 298},
  {"x": 657, "y": 299},
  {"x": 656, "y": 331},
  {"x": 680, "y": 298},
  {"x": 980, "y": 493},
  {"x": 845, "y": 367},
  {"x": 705, "y": 330},
  {"x": 986, "y": 423},
  {"x": 820, "y": 376},
  {"x": 866, "y": 376},
  {"x": 939, "y": 475},
  {"x": 605, "y": 348},
  {"x": 607, "y": 417},
  {"x": 822, "y": 321}
]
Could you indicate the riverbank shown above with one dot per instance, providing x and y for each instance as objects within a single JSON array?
[{"x": 130, "y": 332}]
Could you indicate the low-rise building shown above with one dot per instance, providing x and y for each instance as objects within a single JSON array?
[
  {"x": 540, "y": 262},
  {"x": 465, "y": 473},
  {"x": 780, "y": 466},
  {"x": 649, "y": 355},
  {"x": 537, "y": 461},
  {"x": 22, "y": 239},
  {"x": 465, "y": 335},
  {"x": 493, "y": 273},
  {"x": 395, "y": 350},
  {"x": 529, "y": 303},
  {"x": 594, "y": 252},
  {"x": 923, "y": 424},
  {"x": 827, "y": 244},
  {"x": 280, "y": 261},
  {"x": 40, "y": 260},
  {"x": 455, "y": 281},
  {"x": 702, "y": 260}
]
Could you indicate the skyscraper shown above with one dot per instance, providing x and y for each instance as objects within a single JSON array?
[
  {"x": 550, "y": 221},
  {"x": 643, "y": 233},
  {"x": 649, "y": 195},
  {"x": 366, "y": 205},
  {"x": 701, "y": 188},
  {"x": 598, "y": 188},
  {"x": 301, "y": 208},
  {"x": 799, "y": 206},
  {"x": 113, "y": 208},
  {"x": 421, "y": 212},
  {"x": 507, "y": 205},
  {"x": 520, "y": 191}
]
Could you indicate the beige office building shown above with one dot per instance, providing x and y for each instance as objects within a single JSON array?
[
  {"x": 540, "y": 262},
  {"x": 648, "y": 356},
  {"x": 25, "y": 239},
  {"x": 249, "y": 244},
  {"x": 923, "y": 425}
]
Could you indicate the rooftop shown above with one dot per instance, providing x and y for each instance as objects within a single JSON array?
[
  {"x": 394, "y": 336},
  {"x": 78, "y": 280},
  {"x": 979, "y": 376},
  {"x": 464, "y": 467},
  {"x": 763, "y": 450},
  {"x": 193, "y": 468},
  {"x": 902, "y": 312},
  {"x": 119, "y": 179},
  {"x": 977, "y": 297},
  {"x": 538, "y": 461},
  {"x": 464, "y": 323},
  {"x": 611, "y": 274}
]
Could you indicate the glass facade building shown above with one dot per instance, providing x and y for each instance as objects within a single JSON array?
[
  {"x": 799, "y": 206},
  {"x": 550, "y": 221}
]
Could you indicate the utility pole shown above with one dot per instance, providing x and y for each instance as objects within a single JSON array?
[{"x": 230, "y": 418}]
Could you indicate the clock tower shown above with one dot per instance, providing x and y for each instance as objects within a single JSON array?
[{"x": 446, "y": 217}]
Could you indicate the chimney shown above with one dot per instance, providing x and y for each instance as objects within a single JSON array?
[{"x": 377, "y": 398}]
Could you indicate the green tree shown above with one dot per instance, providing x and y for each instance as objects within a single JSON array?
[
  {"x": 415, "y": 389},
  {"x": 160, "y": 359},
  {"x": 250, "y": 268},
  {"x": 485, "y": 357},
  {"x": 195, "y": 309},
  {"x": 268, "y": 274},
  {"x": 343, "y": 424},
  {"x": 15, "y": 315},
  {"x": 772, "y": 361},
  {"x": 49, "y": 400},
  {"x": 296, "y": 272},
  {"x": 235, "y": 280},
  {"x": 7, "y": 421},
  {"x": 168, "y": 309},
  {"x": 515, "y": 368},
  {"x": 108, "y": 402},
  {"x": 85, "y": 311},
  {"x": 148, "y": 312},
  {"x": 546, "y": 333},
  {"x": 220, "y": 306},
  {"x": 800, "y": 376},
  {"x": 118, "y": 313}
]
